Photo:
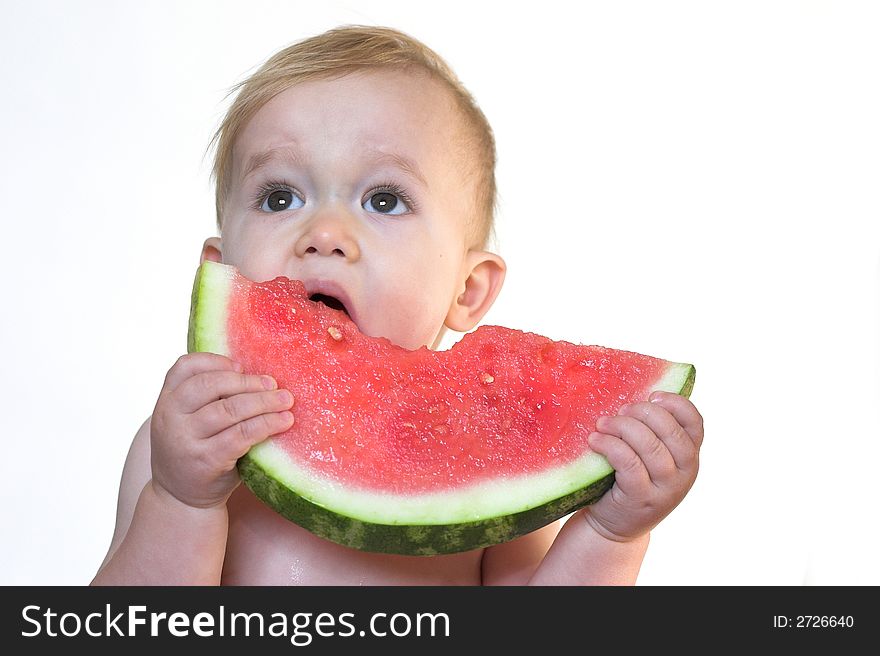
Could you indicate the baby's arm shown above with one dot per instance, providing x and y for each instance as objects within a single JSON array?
[
  {"x": 654, "y": 449},
  {"x": 156, "y": 541},
  {"x": 172, "y": 522}
]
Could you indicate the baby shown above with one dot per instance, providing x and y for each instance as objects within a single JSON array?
[{"x": 356, "y": 162}]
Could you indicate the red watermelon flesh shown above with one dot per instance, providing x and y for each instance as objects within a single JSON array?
[{"x": 387, "y": 424}]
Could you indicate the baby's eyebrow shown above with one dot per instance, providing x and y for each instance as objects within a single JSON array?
[
  {"x": 406, "y": 164},
  {"x": 258, "y": 160}
]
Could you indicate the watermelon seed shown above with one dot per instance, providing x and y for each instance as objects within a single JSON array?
[
  {"x": 335, "y": 333},
  {"x": 487, "y": 378}
]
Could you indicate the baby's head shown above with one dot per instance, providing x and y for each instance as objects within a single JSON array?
[{"x": 356, "y": 162}]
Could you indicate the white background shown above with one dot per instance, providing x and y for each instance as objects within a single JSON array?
[{"x": 692, "y": 180}]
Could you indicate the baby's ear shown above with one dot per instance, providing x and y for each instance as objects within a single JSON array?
[
  {"x": 485, "y": 275},
  {"x": 212, "y": 250}
]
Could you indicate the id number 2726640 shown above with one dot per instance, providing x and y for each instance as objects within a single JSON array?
[{"x": 813, "y": 621}]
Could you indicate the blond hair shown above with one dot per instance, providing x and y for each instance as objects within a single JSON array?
[{"x": 336, "y": 53}]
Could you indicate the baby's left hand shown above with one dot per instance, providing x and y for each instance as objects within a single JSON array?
[{"x": 654, "y": 447}]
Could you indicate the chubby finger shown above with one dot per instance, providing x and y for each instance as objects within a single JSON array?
[
  {"x": 191, "y": 364},
  {"x": 677, "y": 441},
  {"x": 204, "y": 388},
  {"x": 644, "y": 442},
  {"x": 630, "y": 476},
  {"x": 239, "y": 438},
  {"x": 684, "y": 411},
  {"x": 223, "y": 413}
]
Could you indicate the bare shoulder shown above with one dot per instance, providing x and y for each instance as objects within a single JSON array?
[
  {"x": 136, "y": 474},
  {"x": 514, "y": 562}
]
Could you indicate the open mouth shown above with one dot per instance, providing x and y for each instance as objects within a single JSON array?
[{"x": 329, "y": 301}]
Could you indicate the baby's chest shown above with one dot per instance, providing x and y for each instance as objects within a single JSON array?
[{"x": 263, "y": 548}]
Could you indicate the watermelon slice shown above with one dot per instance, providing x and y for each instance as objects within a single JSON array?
[{"x": 419, "y": 452}]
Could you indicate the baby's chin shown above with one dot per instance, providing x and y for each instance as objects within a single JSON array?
[{"x": 402, "y": 336}]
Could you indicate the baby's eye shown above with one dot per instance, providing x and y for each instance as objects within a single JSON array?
[
  {"x": 278, "y": 200},
  {"x": 385, "y": 202}
]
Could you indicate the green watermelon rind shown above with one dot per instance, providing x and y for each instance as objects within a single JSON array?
[
  {"x": 409, "y": 539},
  {"x": 430, "y": 524},
  {"x": 207, "y": 320},
  {"x": 470, "y": 503}
]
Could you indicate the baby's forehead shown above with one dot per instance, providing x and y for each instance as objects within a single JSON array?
[
  {"x": 392, "y": 115},
  {"x": 407, "y": 92}
]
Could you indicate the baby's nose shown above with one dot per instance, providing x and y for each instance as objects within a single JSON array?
[{"x": 329, "y": 235}]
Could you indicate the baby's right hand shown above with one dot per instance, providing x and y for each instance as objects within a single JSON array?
[{"x": 208, "y": 415}]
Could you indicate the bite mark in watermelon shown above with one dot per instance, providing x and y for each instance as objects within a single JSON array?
[{"x": 419, "y": 452}]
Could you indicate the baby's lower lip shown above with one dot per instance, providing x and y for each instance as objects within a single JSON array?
[{"x": 330, "y": 301}]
